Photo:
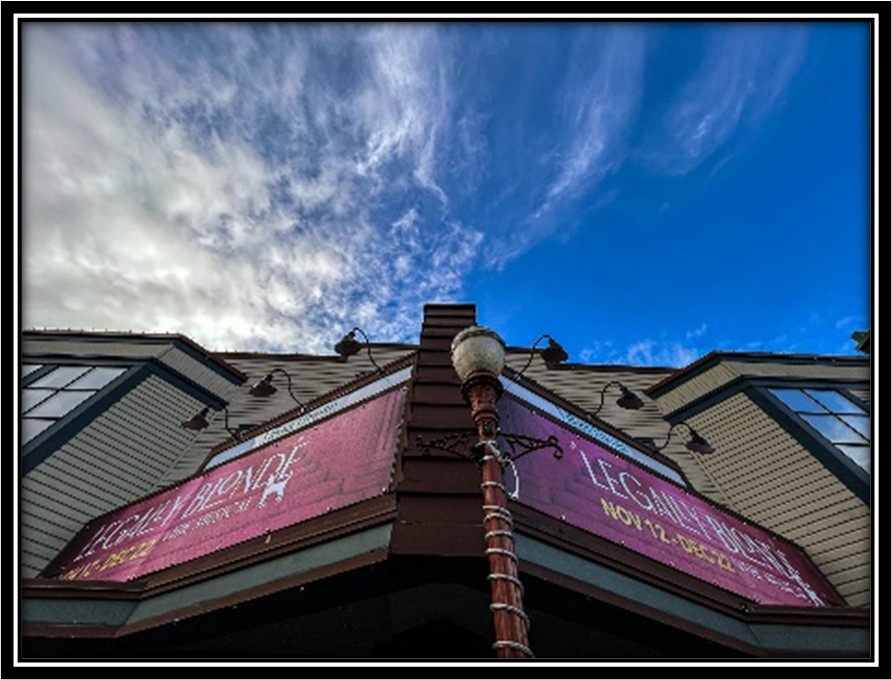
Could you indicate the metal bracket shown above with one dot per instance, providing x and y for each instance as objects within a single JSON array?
[
  {"x": 514, "y": 446},
  {"x": 457, "y": 443},
  {"x": 529, "y": 444}
]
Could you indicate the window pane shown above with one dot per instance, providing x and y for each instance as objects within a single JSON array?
[
  {"x": 31, "y": 397},
  {"x": 860, "y": 423},
  {"x": 32, "y": 427},
  {"x": 61, "y": 376},
  {"x": 96, "y": 379},
  {"x": 835, "y": 402},
  {"x": 798, "y": 401},
  {"x": 28, "y": 369},
  {"x": 60, "y": 404},
  {"x": 859, "y": 455},
  {"x": 834, "y": 429}
]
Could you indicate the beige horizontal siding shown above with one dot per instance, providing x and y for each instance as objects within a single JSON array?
[
  {"x": 209, "y": 378},
  {"x": 772, "y": 479},
  {"x": 817, "y": 370},
  {"x": 695, "y": 387}
]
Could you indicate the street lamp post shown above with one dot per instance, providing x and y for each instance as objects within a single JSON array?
[{"x": 478, "y": 355}]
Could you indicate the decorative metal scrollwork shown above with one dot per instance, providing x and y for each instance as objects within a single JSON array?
[
  {"x": 513, "y": 446},
  {"x": 457, "y": 443},
  {"x": 530, "y": 444}
]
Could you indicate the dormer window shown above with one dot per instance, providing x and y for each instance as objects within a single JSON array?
[{"x": 835, "y": 417}]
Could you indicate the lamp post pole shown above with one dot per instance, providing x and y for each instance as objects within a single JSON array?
[{"x": 478, "y": 356}]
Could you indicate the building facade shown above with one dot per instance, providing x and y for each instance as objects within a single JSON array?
[{"x": 173, "y": 507}]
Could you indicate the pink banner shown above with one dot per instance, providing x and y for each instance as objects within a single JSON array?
[
  {"x": 616, "y": 499},
  {"x": 328, "y": 466}
]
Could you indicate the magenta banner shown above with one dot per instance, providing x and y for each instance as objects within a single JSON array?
[
  {"x": 328, "y": 466},
  {"x": 612, "y": 497}
]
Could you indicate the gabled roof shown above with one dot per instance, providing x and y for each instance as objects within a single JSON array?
[
  {"x": 707, "y": 361},
  {"x": 124, "y": 338}
]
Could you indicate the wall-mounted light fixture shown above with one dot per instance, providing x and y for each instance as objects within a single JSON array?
[
  {"x": 199, "y": 422},
  {"x": 349, "y": 345},
  {"x": 627, "y": 400},
  {"x": 265, "y": 388},
  {"x": 552, "y": 354},
  {"x": 696, "y": 443}
]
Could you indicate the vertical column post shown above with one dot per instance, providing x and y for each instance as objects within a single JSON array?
[{"x": 482, "y": 390}]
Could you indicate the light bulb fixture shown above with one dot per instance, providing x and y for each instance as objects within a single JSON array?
[
  {"x": 197, "y": 422},
  {"x": 553, "y": 354},
  {"x": 265, "y": 388},
  {"x": 627, "y": 400},
  {"x": 235, "y": 432},
  {"x": 696, "y": 443},
  {"x": 347, "y": 346}
]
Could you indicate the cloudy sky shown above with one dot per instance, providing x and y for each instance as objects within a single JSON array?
[{"x": 643, "y": 192}]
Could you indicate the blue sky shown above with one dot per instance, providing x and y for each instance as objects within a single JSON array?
[{"x": 643, "y": 192}]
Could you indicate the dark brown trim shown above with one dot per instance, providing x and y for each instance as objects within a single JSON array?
[
  {"x": 842, "y": 617},
  {"x": 68, "y": 630},
  {"x": 450, "y": 309}
]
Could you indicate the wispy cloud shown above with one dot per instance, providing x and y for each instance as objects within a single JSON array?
[
  {"x": 595, "y": 108},
  {"x": 215, "y": 182},
  {"x": 612, "y": 107},
  {"x": 697, "y": 332},
  {"x": 647, "y": 352},
  {"x": 653, "y": 353},
  {"x": 600, "y": 351},
  {"x": 848, "y": 322},
  {"x": 601, "y": 95},
  {"x": 745, "y": 69}
]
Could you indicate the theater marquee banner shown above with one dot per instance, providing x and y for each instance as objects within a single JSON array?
[
  {"x": 334, "y": 463},
  {"x": 613, "y": 497}
]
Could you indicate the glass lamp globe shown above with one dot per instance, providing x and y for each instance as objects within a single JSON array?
[{"x": 477, "y": 349}]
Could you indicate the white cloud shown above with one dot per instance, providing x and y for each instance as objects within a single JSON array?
[{"x": 217, "y": 184}]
